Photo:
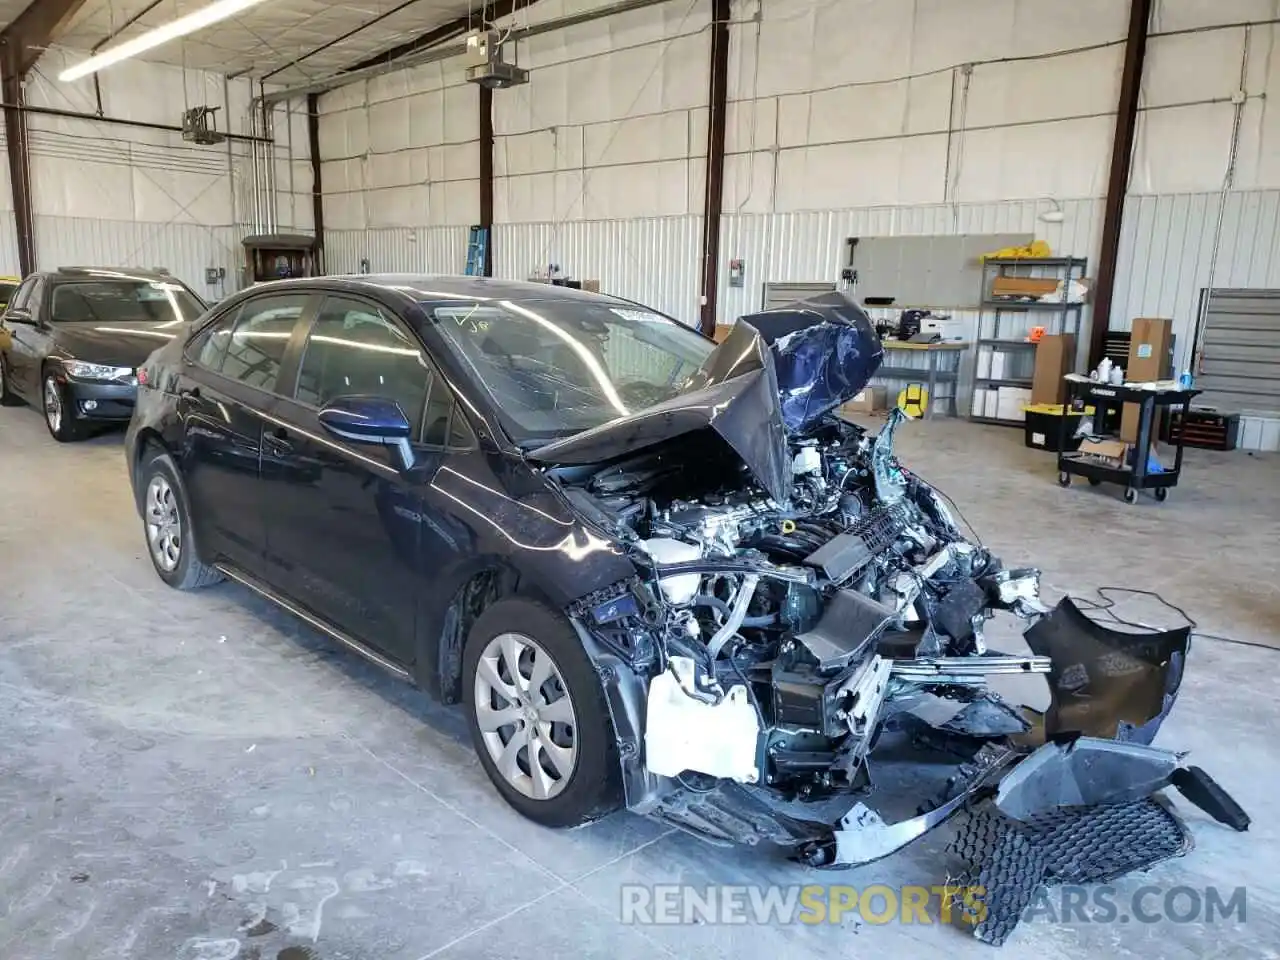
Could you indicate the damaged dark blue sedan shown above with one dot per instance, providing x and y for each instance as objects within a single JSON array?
[{"x": 658, "y": 573}]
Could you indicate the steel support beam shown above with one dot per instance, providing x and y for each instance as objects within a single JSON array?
[
  {"x": 486, "y": 177},
  {"x": 714, "y": 193},
  {"x": 317, "y": 184},
  {"x": 32, "y": 30},
  {"x": 22, "y": 43},
  {"x": 1118, "y": 181},
  {"x": 17, "y": 148}
]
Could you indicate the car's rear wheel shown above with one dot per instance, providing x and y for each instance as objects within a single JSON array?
[
  {"x": 7, "y": 397},
  {"x": 538, "y": 716},
  {"x": 166, "y": 519},
  {"x": 58, "y": 414}
]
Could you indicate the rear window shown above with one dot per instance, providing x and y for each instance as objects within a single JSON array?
[{"x": 122, "y": 301}]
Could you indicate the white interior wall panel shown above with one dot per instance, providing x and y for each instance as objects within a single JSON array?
[
  {"x": 653, "y": 260},
  {"x": 401, "y": 150},
  {"x": 612, "y": 124},
  {"x": 110, "y": 194}
]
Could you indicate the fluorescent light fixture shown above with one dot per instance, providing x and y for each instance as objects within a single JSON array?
[{"x": 198, "y": 20}]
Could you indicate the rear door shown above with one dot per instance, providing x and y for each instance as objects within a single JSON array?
[
  {"x": 343, "y": 522},
  {"x": 231, "y": 372}
]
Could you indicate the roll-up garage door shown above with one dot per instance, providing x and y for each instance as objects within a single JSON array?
[{"x": 1240, "y": 367}]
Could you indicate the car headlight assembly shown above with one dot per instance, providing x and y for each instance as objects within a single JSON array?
[{"x": 95, "y": 371}]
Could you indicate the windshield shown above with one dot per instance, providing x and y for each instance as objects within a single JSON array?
[
  {"x": 6, "y": 291},
  {"x": 557, "y": 367},
  {"x": 121, "y": 301}
]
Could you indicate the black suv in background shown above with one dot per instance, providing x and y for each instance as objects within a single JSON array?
[{"x": 72, "y": 339}]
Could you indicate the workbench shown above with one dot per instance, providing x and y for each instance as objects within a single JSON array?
[{"x": 934, "y": 371}]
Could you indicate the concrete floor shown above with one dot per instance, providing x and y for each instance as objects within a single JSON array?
[{"x": 200, "y": 777}]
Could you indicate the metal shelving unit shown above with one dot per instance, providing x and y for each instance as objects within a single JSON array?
[{"x": 997, "y": 320}]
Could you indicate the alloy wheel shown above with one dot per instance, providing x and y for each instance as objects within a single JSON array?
[
  {"x": 164, "y": 525},
  {"x": 525, "y": 715},
  {"x": 53, "y": 404}
]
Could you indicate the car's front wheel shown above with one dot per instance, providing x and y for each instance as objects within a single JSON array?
[
  {"x": 166, "y": 518},
  {"x": 59, "y": 416},
  {"x": 538, "y": 717}
]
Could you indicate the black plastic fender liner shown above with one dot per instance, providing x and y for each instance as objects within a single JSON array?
[
  {"x": 626, "y": 695},
  {"x": 1107, "y": 683}
]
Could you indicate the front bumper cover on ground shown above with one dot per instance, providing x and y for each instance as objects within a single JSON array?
[{"x": 1074, "y": 800}]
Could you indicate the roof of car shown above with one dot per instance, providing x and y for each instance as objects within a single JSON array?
[
  {"x": 109, "y": 273},
  {"x": 427, "y": 286}
]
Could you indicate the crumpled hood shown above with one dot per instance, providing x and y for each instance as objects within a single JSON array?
[
  {"x": 777, "y": 372},
  {"x": 825, "y": 350},
  {"x": 734, "y": 393}
]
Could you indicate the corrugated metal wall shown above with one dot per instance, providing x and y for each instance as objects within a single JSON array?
[
  {"x": 811, "y": 246},
  {"x": 393, "y": 250},
  {"x": 184, "y": 249},
  {"x": 1167, "y": 244},
  {"x": 653, "y": 261}
]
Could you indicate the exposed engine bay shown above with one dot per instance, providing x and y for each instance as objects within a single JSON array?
[
  {"x": 792, "y": 625},
  {"x": 807, "y": 612}
]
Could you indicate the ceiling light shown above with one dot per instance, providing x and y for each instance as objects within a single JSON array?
[{"x": 198, "y": 20}]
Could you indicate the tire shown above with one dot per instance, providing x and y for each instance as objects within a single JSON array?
[
  {"x": 591, "y": 788},
  {"x": 58, "y": 417},
  {"x": 1095, "y": 482},
  {"x": 1162, "y": 494},
  {"x": 162, "y": 501},
  {"x": 1064, "y": 479},
  {"x": 1130, "y": 495},
  {"x": 7, "y": 397}
]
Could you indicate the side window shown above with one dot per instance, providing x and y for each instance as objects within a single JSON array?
[
  {"x": 23, "y": 295},
  {"x": 260, "y": 338},
  {"x": 356, "y": 350},
  {"x": 444, "y": 424},
  {"x": 36, "y": 295},
  {"x": 209, "y": 349}
]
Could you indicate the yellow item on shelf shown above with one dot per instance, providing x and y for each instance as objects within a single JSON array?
[
  {"x": 914, "y": 400},
  {"x": 1035, "y": 250}
]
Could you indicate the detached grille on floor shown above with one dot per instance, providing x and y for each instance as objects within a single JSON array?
[{"x": 1010, "y": 860}]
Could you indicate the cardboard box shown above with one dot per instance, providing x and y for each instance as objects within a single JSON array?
[
  {"x": 1011, "y": 403},
  {"x": 979, "y": 405},
  {"x": 1055, "y": 358},
  {"x": 1112, "y": 452},
  {"x": 869, "y": 400},
  {"x": 591, "y": 286},
  {"x": 997, "y": 365},
  {"x": 1150, "y": 358},
  {"x": 722, "y": 332},
  {"x": 1034, "y": 287}
]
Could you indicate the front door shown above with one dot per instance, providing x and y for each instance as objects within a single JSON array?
[
  {"x": 344, "y": 523},
  {"x": 29, "y": 340},
  {"x": 226, "y": 390}
]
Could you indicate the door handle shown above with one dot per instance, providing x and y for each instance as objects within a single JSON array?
[{"x": 279, "y": 440}]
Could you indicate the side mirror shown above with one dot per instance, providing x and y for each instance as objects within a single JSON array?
[
  {"x": 375, "y": 420},
  {"x": 19, "y": 315}
]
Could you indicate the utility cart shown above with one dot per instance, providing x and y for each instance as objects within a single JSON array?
[{"x": 1131, "y": 472}]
